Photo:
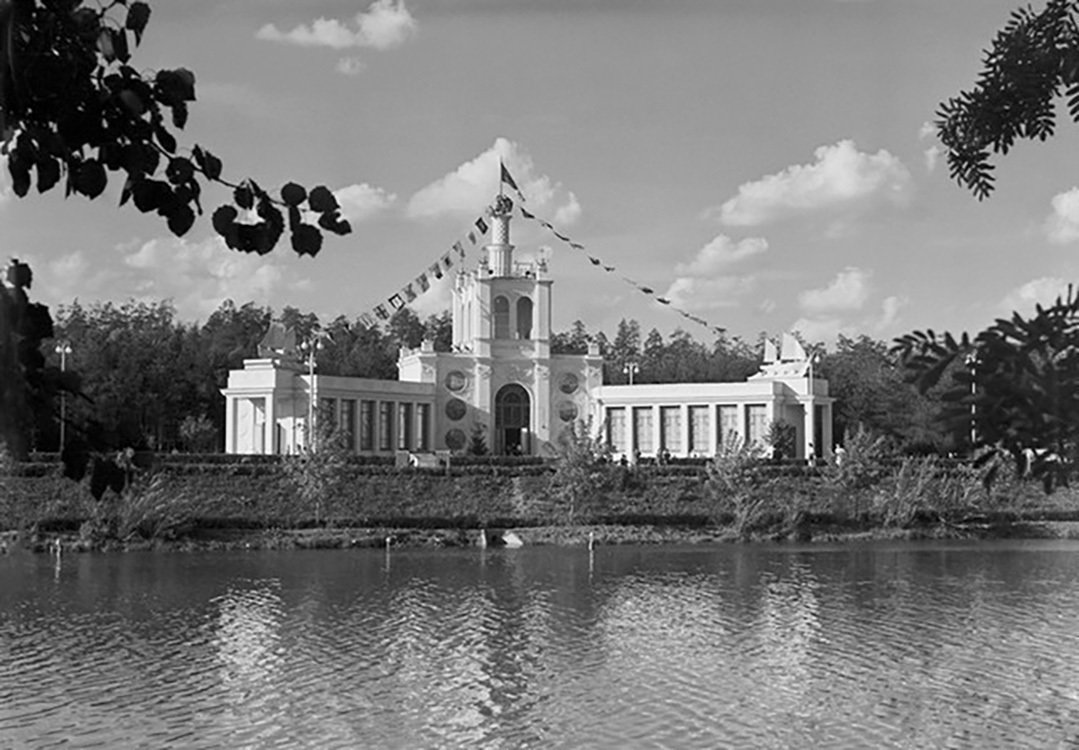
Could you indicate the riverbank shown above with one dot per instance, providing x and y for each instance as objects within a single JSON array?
[
  {"x": 258, "y": 505},
  {"x": 1036, "y": 526}
]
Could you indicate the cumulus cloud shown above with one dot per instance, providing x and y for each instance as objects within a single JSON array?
[
  {"x": 5, "y": 185},
  {"x": 1043, "y": 291},
  {"x": 706, "y": 282},
  {"x": 384, "y": 25},
  {"x": 721, "y": 253},
  {"x": 472, "y": 185},
  {"x": 1062, "y": 226},
  {"x": 363, "y": 201},
  {"x": 196, "y": 276},
  {"x": 841, "y": 178},
  {"x": 849, "y": 290}
]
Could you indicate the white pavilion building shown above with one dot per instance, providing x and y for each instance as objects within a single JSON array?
[{"x": 502, "y": 383}]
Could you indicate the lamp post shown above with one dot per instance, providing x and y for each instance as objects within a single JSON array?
[
  {"x": 63, "y": 348},
  {"x": 971, "y": 361},
  {"x": 630, "y": 369},
  {"x": 311, "y": 348}
]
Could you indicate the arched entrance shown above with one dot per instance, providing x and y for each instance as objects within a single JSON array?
[{"x": 512, "y": 407}]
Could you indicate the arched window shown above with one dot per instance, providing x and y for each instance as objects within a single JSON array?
[
  {"x": 502, "y": 318},
  {"x": 524, "y": 318}
]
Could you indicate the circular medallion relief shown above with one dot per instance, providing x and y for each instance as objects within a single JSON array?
[
  {"x": 455, "y": 409},
  {"x": 568, "y": 383},
  {"x": 567, "y": 411},
  {"x": 455, "y": 439},
  {"x": 456, "y": 380}
]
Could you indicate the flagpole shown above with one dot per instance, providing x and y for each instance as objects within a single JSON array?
[{"x": 501, "y": 168}]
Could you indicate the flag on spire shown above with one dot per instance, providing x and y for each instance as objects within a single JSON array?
[{"x": 507, "y": 179}]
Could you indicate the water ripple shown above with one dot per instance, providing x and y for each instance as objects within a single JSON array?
[{"x": 883, "y": 646}]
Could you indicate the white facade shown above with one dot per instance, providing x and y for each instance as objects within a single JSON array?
[{"x": 501, "y": 384}]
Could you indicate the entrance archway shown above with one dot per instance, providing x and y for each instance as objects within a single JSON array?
[{"x": 512, "y": 409}]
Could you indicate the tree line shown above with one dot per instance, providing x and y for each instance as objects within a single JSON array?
[{"x": 153, "y": 381}]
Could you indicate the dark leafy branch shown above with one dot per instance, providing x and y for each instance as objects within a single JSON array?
[
  {"x": 1032, "y": 62},
  {"x": 1015, "y": 384},
  {"x": 74, "y": 110}
]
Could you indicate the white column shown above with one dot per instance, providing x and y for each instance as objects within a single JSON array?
[
  {"x": 810, "y": 427},
  {"x": 714, "y": 426},
  {"x": 657, "y": 429},
  {"x": 230, "y": 424},
  {"x": 269, "y": 443},
  {"x": 743, "y": 432},
  {"x": 683, "y": 410},
  {"x": 826, "y": 429}
]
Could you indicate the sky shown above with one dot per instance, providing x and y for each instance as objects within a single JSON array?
[{"x": 764, "y": 165}]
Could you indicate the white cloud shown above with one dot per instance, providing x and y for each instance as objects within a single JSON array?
[
  {"x": 363, "y": 201},
  {"x": 841, "y": 178},
  {"x": 470, "y": 187},
  {"x": 6, "y": 192},
  {"x": 385, "y": 24},
  {"x": 820, "y": 330},
  {"x": 932, "y": 155},
  {"x": 697, "y": 293},
  {"x": 196, "y": 276},
  {"x": 927, "y": 130},
  {"x": 1062, "y": 226},
  {"x": 704, "y": 283},
  {"x": 1043, "y": 291},
  {"x": 849, "y": 290},
  {"x": 568, "y": 212},
  {"x": 349, "y": 66},
  {"x": 720, "y": 253},
  {"x": 890, "y": 310}
]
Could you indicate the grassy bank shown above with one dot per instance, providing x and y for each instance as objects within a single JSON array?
[{"x": 262, "y": 504}]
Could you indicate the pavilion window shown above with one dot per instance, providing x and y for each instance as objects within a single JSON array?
[
  {"x": 501, "y": 309},
  {"x": 642, "y": 429}
]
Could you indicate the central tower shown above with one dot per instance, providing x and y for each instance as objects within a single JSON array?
[{"x": 504, "y": 307}]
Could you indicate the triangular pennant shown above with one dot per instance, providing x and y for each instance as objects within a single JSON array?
[
  {"x": 423, "y": 283},
  {"x": 447, "y": 261},
  {"x": 608, "y": 269},
  {"x": 481, "y": 225},
  {"x": 663, "y": 300},
  {"x": 547, "y": 224},
  {"x": 436, "y": 269},
  {"x": 396, "y": 302},
  {"x": 367, "y": 320},
  {"x": 576, "y": 245},
  {"x": 646, "y": 290},
  {"x": 472, "y": 237},
  {"x": 382, "y": 312},
  {"x": 595, "y": 261},
  {"x": 408, "y": 293},
  {"x": 527, "y": 215},
  {"x": 459, "y": 248},
  {"x": 560, "y": 236}
]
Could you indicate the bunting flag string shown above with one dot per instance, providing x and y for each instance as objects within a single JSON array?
[
  {"x": 598, "y": 263},
  {"x": 435, "y": 271}
]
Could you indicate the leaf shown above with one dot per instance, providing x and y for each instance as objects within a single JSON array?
[
  {"x": 150, "y": 195},
  {"x": 180, "y": 170},
  {"x": 306, "y": 240},
  {"x": 208, "y": 163},
  {"x": 137, "y": 17},
  {"x": 331, "y": 222},
  {"x": 90, "y": 178},
  {"x": 105, "y": 45},
  {"x": 19, "y": 167},
  {"x": 119, "y": 44},
  {"x": 322, "y": 200},
  {"x": 179, "y": 115},
  {"x": 224, "y": 219},
  {"x": 165, "y": 138},
  {"x": 243, "y": 196},
  {"x": 180, "y": 219},
  {"x": 48, "y": 173},
  {"x": 293, "y": 194}
]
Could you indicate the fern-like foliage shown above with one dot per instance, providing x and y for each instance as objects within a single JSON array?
[
  {"x": 1033, "y": 60},
  {"x": 1015, "y": 386}
]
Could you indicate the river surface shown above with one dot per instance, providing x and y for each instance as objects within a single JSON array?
[{"x": 883, "y": 645}]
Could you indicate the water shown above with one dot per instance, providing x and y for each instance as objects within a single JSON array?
[{"x": 911, "y": 645}]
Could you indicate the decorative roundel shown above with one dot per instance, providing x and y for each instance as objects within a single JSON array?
[
  {"x": 455, "y": 439},
  {"x": 568, "y": 383},
  {"x": 456, "y": 380},
  {"x": 455, "y": 409},
  {"x": 567, "y": 411}
]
